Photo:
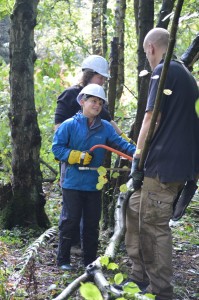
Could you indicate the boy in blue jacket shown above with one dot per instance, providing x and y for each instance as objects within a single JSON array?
[{"x": 71, "y": 144}]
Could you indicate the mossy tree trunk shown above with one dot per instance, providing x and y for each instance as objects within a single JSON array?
[{"x": 26, "y": 208}]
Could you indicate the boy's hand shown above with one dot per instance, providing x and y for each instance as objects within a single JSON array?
[{"x": 80, "y": 157}]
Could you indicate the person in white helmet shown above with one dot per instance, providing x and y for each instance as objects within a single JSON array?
[
  {"x": 95, "y": 69},
  {"x": 71, "y": 145}
]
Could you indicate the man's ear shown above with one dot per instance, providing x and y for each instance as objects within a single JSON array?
[{"x": 151, "y": 48}]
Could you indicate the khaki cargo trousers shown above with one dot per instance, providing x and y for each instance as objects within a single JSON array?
[{"x": 148, "y": 237}]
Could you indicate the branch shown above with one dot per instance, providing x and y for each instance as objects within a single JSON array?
[
  {"x": 168, "y": 57},
  {"x": 191, "y": 55},
  {"x": 120, "y": 222},
  {"x": 48, "y": 166}
]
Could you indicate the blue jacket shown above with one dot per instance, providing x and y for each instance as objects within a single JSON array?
[{"x": 75, "y": 134}]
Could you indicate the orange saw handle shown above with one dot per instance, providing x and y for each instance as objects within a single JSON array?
[{"x": 112, "y": 150}]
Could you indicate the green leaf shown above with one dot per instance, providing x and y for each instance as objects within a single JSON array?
[
  {"x": 167, "y": 92},
  {"x": 104, "y": 260},
  {"x": 115, "y": 175},
  {"x": 123, "y": 188},
  {"x": 118, "y": 278},
  {"x": 131, "y": 288},
  {"x": 102, "y": 179},
  {"x": 112, "y": 266},
  {"x": 99, "y": 186},
  {"x": 197, "y": 107},
  {"x": 143, "y": 73},
  {"x": 150, "y": 296},
  {"x": 90, "y": 292},
  {"x": 101, "y": 170}
]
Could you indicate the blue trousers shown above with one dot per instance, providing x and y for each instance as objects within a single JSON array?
[{"x": 75, "y": 204}]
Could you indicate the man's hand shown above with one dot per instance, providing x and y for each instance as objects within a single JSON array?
[
  {"x": 80, "y": 157},
  {"x": 136, "y": 175}
]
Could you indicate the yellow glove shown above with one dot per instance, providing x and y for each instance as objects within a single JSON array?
[
  {"x": 80, "y": 157},
  {"x": 124, "y": 136}
]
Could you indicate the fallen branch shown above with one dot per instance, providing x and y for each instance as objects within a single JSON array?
[{"x": 120, "y": 221}]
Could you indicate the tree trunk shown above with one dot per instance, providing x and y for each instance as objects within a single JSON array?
[
  {"x": 191, "y": 55},
  {"x": 145, "y": 23},
  {"x": 104, "y": 28},
  {"x": 97, "y": 27},
  {"x": 26, "y": 208},
  {"x": 119, "y": 32},
  {"x": 166, "y": 9}
]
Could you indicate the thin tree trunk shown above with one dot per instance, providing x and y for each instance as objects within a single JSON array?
[
  {"x": 145, "y": 23},
  {"x": 191, "y": 55},
  {"x": 104, "y": 28},
  {"x": 166, "y": 9},
  {"x": 97, "y": 27},
  {"x": 26, "y": 207},
  {"x": 119, "y": 32}
]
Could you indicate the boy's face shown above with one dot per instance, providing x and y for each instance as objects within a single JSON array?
[{"x": 92, "y": 106}]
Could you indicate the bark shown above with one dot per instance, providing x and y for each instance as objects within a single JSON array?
[
  {"x": 166, "y": 9},
  {"x": 145, "y": 23},
  {"x": 191, "y": 55},
  {"x": 119, "y": 32},
  {"x": 114, "y": 75},
  {"x": 104, "y": 28},
  {"x": 26, "y": 208},
  {"x": 107, "y": 194},
  {"x": 97, "y": 27}
]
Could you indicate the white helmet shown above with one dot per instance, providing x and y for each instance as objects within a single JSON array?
[
  {"x": 92, "y": 89},
  {"x": 97, "y": 64}
]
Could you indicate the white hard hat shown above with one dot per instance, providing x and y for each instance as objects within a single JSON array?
[
  {"x": 97, "y": 64},
  {"x": 92, "y": 89}
]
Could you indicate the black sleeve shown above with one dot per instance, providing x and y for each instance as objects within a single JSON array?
[
  {"x": 105, "y": 114},
  {"x": 67, "y": 105}
]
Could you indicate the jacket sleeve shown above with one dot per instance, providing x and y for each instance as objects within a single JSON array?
[
  {"x": 117, "y": 142},
  {"x": 61, "y": 140}
]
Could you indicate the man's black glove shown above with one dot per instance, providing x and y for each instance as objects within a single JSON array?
[{"x": 136, "y": 175}]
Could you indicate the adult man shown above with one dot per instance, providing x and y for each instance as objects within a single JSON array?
[{"x": 172, "y": 160}]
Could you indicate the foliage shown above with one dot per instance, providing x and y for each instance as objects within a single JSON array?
[
  {"x": 89, "y": 291},
  {"x": 197, "y": 107},
  {"x": 6, "y": 8},
  {"x": 5, "y": 147},
  {"x": 61, "y": 44}
]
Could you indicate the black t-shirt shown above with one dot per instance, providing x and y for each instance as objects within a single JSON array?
[
  {"x": 67, "y": 105},
  {"x": 174, "y": 150}
]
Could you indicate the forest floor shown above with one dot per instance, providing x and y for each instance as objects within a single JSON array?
[{"x": 42, "y": 279}]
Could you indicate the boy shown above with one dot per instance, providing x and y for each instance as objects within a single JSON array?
[{"x": 71, "y": 144}]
